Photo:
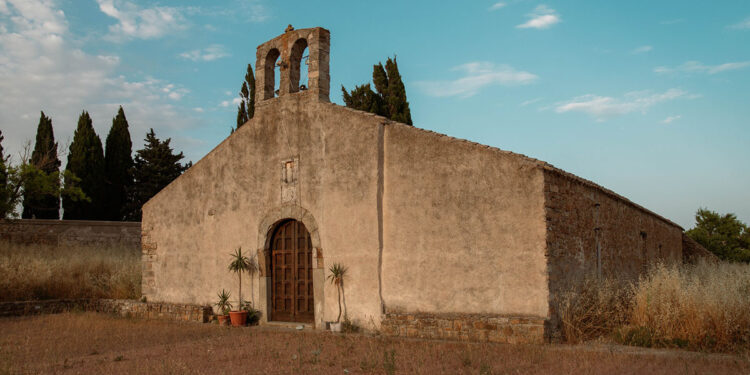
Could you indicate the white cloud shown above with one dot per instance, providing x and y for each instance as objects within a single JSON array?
[
  {"x": 210, "y": 53},
  {"x": 542, "y": 17},
  {"x": 43, "y": 68},
  {"x": 670, "y": 119},
  {"x": 642, "y": 49},
  {"x": 141, "y": 23},
  {"x": 744, "y": 24},
  {"x": 199, "y": 109},
  {"x": 227, "y": 103},
  {"x": 530, "y": 101},
  {"x": 497, "y": 6},
  {"x": 477, "y": 75},
  {"x": 604, "y": 107},
  {"x": 698, "y": 67}
]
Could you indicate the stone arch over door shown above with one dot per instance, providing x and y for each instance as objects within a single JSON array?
[{"x": 266, "y": 228}]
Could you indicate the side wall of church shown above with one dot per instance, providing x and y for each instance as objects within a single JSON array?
[
  {"x": 191, "y": 227},
  {"x": 594, "y": 234},
  {"x": 464, "y": 233}
]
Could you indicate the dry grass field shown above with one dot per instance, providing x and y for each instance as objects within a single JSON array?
[
  {"x": 87, "y": 343},
  {"x": 705, "y": 306},
  {"x": 36, "y": 272}
]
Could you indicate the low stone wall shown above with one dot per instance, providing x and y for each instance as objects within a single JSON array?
[
  {"x": 465, "y": 327},
  {"x": 71, "y": 232},
  {"x": 125, "y": 308},
  {"x": 692, "y": 251}
]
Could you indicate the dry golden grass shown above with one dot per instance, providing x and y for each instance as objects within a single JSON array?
[
  {"x": 88, "y": 343},
  {"x": 51, "y": 272},
  {"x": 705, "y": 306}
]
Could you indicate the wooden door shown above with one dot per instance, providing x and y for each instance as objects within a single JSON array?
[{"x": 291, "y": 272}]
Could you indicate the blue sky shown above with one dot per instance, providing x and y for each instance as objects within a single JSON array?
[{"x": 649, "y": 99}]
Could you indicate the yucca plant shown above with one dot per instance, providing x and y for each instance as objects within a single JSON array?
[
  {"x": 336, "y": 277},
  {"x": 239, "y": 264},
  {"x": 223, "y": 304}
]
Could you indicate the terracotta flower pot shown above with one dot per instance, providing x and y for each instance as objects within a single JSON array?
[
  {"x": 239, "y": 318},
  {"x": 223, "y": 320}
]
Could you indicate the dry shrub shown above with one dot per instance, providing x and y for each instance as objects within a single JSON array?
[
  {"x": 596, "y": 308},
  {"x": 31, "y": 272},
  {"x": 702, "y": 306}
]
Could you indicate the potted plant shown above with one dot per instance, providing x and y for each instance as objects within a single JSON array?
[
  {"x": 336, "y": 277},
  {"x": 239, "y": 264},
  {"x": 224, "y": 306},
  {"x": 253, "y": 315}
]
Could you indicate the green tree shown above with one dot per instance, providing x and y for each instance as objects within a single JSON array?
[
  {"x": 246, "y": 109},
  {"x": 45, "y": 158},
  {"x": 118, "y": 163},
  {"x": 155, "y": 167},
  {"x": 27, "y": 180},
  {"x": 389, "y": 99},
  {"x": 86, "y": 161},
  {"x": 724, "y": 235}
]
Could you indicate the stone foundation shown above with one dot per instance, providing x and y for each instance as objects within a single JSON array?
[
  {"x": 124, "y": 308},
  {"x": 465, "y": 327}
]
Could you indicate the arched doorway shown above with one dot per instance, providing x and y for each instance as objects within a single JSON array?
[{"x": 291, "y": 297}]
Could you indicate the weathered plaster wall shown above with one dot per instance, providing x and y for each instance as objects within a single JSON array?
[
  {"x": 592, "y": 232},
  {"x": 464, "y": 228},
  {"x": 191, "y": 227}
]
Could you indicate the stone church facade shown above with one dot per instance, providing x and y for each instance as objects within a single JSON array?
[{"x": 441, "y": 237}]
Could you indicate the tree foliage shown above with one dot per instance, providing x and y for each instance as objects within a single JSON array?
[
  {"x": 389, "y": 99},
  {"x": 45, "y": 158},
  {"x": 246, "y": 109},
  {"x": 28, "y": 180},
  {"x": 155, "y": 166},
  {"x": 118, "y": 164},
  {"x": 724, "y": 235},
  {"x": 86, "y": 161}
]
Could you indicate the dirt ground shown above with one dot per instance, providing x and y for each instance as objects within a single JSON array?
[{"x": 86, "y": 343}]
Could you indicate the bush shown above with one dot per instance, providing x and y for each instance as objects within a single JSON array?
[
  {"x": 595, "y": 309},
  {"x": 703, "y": 306},
  {"x": 34, "y": 272},
  {"x": 706, "y": 305}
]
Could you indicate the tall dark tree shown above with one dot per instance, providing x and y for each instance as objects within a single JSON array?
[
  {"x": 724, "y": 235},
  {"x": 44, "y": 157},
  {"x": 246, "y": 109},
  {"x": 118, "y": 162},
  {"x": 6, "y": 204},
  {"x": 86, "y": 161},
  {"x": 398, "y": 106},
  {"x": 388, "y": 100},
  {"x": 155, "y": 167}
]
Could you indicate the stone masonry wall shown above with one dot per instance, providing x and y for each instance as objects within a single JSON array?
[
  {"x": 593, "y": 233},
  {"x": 71, "y": 232},
  {"x": 124, "y": 308},
  {"x": 465, "y": 327}
]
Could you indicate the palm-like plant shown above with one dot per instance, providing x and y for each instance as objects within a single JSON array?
[
  {"x": 336, "y": 277},
  {"x": 240, "y": 264},
  {"x": 224, "y": 305}
]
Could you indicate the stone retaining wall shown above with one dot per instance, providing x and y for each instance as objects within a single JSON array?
[
  {"x": 125, "y": 308},
  {"x": 71, "y": 232},
  {"x": 465, "y": 327}
]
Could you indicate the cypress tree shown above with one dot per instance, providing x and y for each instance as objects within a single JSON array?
[
  {"x": 246, "y": 109},
  {"x": 5, "y": 193},
  {"x": 118, "y": 163},
  {"x": 154, "y": 168},
  {"x": 44, "y": 157},
  {"x": 86, "y": 161},
  {"x": 398, "y": 106},
  {"x": 390, "y": 98}
]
